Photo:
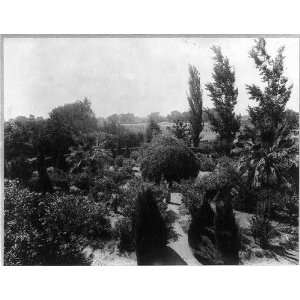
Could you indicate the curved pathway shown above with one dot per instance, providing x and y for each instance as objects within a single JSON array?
[{"x": 181, "y": 246}]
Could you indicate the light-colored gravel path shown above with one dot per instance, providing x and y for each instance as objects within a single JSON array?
[{"x": 181, "y": 246}]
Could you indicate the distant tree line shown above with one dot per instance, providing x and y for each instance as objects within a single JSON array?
[{"x": 172, "y": 117}]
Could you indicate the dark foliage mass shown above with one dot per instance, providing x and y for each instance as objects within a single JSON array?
[
  {"x": 214, "y": 235},
  {"x": 168, "y": 158},
  {"x": 150, "y": 229}
]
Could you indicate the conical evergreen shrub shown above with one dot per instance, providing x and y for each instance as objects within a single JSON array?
[{"x": 150, "y": 229}]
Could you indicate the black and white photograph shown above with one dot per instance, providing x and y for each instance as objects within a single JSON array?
[{"x": 151, "y": 150}]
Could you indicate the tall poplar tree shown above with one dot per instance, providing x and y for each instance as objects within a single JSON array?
[
  {"x": 196, "y": 104},
  {"x": 223, "y": 94}
]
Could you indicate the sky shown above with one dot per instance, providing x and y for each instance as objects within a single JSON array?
[{"x": 121, "y": 75}]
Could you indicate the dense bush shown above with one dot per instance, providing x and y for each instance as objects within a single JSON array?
[
  {"x": 120, "y": 175},
  {"x": 262, "y": 230},
  {"x": 213, "y": 235},
  {"x": 192, "y": 194},
  {"x": 206, "y": 164},
  {"x": 103, "y": 189},
  {"x": 225, "y": 174},
  {"x": 168, "y": 158},
  {"x": 286, "y": 209},
  {"x": 50, "y": 229},
  {"x": 125, "y": 234}
]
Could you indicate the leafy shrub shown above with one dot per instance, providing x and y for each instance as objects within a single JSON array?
[
  {"x": 285, "y": 207},
  {"x": 125, "y": 233},
  {"x": 120, "y": 176},
  {"x": 87, "y": 163},
  {"x": 262, "y": 230},
  {"x": 103, "y": 190},
  {"x": 50, "y": 229},
  {"x": 168, "y": 158},
  {"x": 226, "y": 163},
  {"x": 192, "y": 194},
  {"x": 225, "y": 174},
  {"x": 206, "y": 164}
]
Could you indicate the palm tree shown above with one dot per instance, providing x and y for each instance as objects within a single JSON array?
[{"x": 264, "y": 162}]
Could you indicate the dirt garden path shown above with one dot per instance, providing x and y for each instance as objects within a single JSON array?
[{"x": 181, "y": 246}]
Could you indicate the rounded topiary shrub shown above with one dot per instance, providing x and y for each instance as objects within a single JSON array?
[{"x": 169, "y": 158}]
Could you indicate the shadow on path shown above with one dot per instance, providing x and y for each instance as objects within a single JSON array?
[
  {"x": 164, "y": 257},
  {"x": 169, "y": 257}
]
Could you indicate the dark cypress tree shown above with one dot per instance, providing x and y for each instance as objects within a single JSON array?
[
  {"x": 150, "y": 229},
  {"x": 223, "y": 93},
  {"x": 195, "y": 103}
]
